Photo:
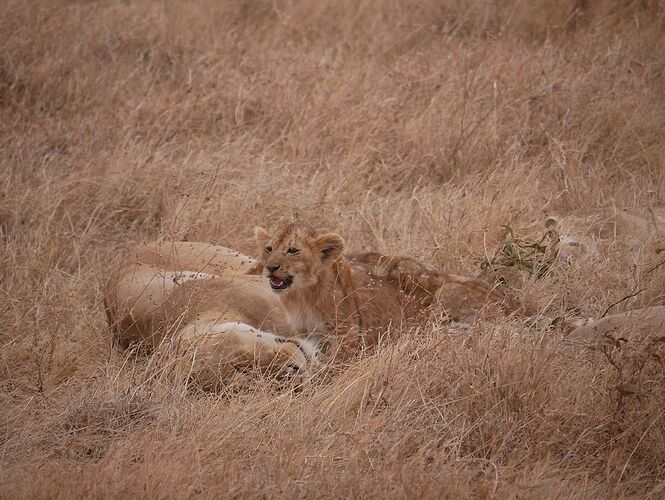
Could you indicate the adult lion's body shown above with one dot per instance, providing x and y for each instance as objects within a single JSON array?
[{"x": 206, "y": 301}]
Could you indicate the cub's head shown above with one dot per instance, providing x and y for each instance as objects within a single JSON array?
[{"x": 295, "y": 256}]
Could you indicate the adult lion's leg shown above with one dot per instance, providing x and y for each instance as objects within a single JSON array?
[
  {"x": 195, "y": 257},
  {"x": 213, "y": 353}
]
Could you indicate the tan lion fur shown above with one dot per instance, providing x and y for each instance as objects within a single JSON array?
[
  {"x": 204, "y": 301},
  {"x": 210, "y": 305},
  {"x": 353, "y": 301}
]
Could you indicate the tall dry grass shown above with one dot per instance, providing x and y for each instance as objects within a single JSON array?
[{"x": 411, "y": 127}]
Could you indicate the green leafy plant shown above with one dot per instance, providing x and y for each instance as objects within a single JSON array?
[{"x": 535, "y": 256}]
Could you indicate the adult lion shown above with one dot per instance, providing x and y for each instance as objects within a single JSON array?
[
  {"x": 207, "y": 304},
  {"x": 213, "y": 304}
]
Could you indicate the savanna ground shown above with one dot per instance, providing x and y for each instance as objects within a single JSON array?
[{"x": 418, "y": 128}]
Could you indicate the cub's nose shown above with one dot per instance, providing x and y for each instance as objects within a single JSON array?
[{"x": 272, "y": 268}]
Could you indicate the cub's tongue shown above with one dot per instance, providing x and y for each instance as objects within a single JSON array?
[{"x": 275, "y": 281}]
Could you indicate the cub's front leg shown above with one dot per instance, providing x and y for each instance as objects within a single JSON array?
[{"x": 341, "y": 341}]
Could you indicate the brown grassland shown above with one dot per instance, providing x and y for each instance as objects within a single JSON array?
[{"x": 416, "y": 128}]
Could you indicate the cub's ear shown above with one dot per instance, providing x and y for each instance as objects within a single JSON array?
[
  {"x": 329, "y": 245},
  {"x": 262, "y": 236}
]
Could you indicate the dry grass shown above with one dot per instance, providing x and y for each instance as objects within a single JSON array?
[{"x": 417, "y": 128}]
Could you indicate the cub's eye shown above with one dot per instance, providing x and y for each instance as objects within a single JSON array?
[
  {"x": 268, "y": 249},
  {"x": 292, "y": 251}
]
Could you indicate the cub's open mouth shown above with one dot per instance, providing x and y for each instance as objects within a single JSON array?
[{"x": 280, "y": 283}]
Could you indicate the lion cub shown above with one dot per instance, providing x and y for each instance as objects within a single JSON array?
[{"x": 350, "y": 302}]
